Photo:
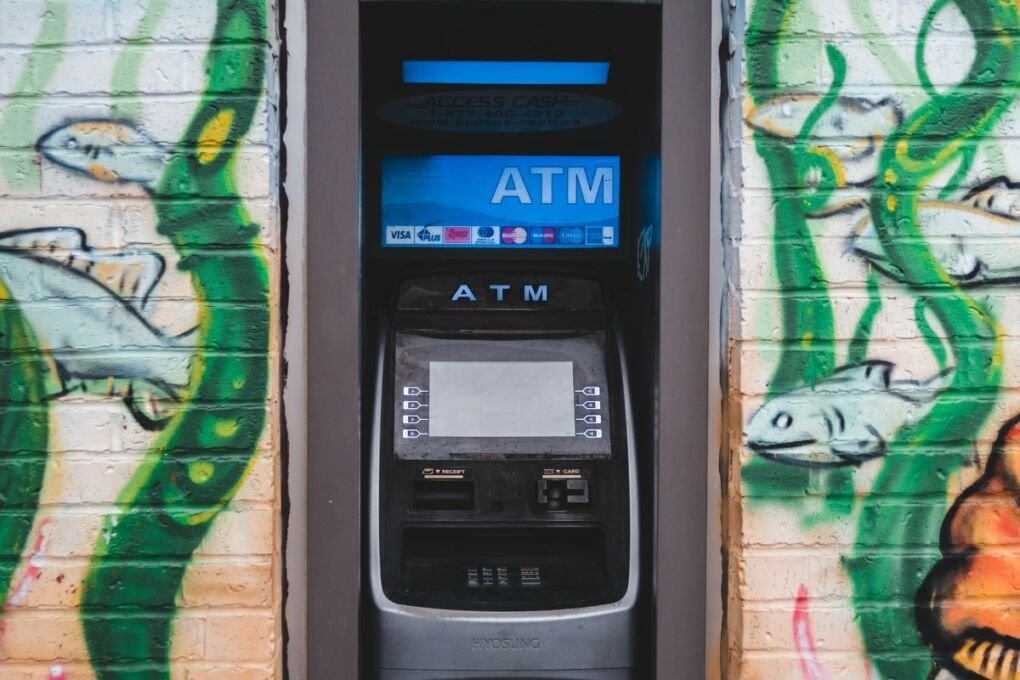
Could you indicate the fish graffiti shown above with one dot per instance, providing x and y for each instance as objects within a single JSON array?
[
  {"x": 107, "y": 150},
  {"x": 78, "y": 317},
  {"x": 971, "y": 243},
  {"x": 850, "y": 131},
  {"x": 846, "y": 419},
  {"x": 999, "y": 196},
  {"x": 967, "y": 606},
  {"x": 103, "y": 342},
  {"x": 901, "y": 173}
]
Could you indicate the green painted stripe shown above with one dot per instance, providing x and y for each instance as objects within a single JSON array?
[
  {"x": 197, "y": 463},
  {"x": 17, "y": 123}
]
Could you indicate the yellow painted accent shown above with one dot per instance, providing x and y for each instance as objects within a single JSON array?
[
  {"x": 225, "y": 428},
  {"x": 200, "y": 472},
  {"x": 890, "y": 175},
  {"x": 115, "y": 132},
  {"x": 209, "y": 515},
  {"x": 103, "y": 173},
  {"x": 834, "y": 163},
  {"x": 239, "y": 382},
  {"x": 806, "y": 339},
  {"x": 213, "y": 135},
  {"x": 890, "y": 203}
]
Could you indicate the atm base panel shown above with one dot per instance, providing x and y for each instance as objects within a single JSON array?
[{"x": 606, "y": 674}]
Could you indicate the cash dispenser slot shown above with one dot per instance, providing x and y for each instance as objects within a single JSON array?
[{"x": 505, "y": 568}]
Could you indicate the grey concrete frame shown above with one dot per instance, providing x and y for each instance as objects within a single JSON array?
[
  {"x": 334, "y": 402},
  {"x": 682, "y": 437},
  {"x": 334, "y": 451}
]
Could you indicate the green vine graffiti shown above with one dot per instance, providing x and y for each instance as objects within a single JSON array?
[
  {"x": 807, "y": 322},
  {"x": 197, "y": 463},
  {"x": 24, "y": 434},
  {"x": 808, "y": 353},
  {"x": 17, "y": 122},
  {"x": 898, "y": 528},
  {"x": 897, "y": 543}
]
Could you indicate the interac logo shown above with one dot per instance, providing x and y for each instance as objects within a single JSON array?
[{"x": 505, "y": 644}]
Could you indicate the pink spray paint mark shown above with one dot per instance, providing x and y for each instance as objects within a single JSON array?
[
  {"x": 19, "y": 591},
  {"x": 810, "y": 665}
]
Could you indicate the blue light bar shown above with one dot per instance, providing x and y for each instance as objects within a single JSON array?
[{"x": 432, "y": 72}]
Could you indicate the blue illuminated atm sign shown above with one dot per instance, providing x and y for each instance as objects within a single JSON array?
[{"x": 501, "y": 202}]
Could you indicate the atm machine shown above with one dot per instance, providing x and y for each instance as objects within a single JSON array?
[{"x": 509, "y": 216}]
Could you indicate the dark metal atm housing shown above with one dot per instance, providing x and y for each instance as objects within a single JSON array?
[{"x": 501, "y": 543}]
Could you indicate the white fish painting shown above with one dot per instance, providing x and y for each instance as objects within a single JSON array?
[
  {"x": 846, "y": 419},
  {"x": 999, "y": 196},
  {"x": 851, "y": 131},
  {"x": 109, "y": 151},
  {"x": 974, "y": 245},
  {"x": 88, "y": 311}
]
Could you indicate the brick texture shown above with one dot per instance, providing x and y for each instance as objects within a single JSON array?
[
  {"x": 139, "y": 340},
  {"x": 870, "y": 161}
]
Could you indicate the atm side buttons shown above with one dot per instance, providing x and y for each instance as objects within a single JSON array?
[
  {"x": 410, "y": 415},
  {"x": 584, "y": 404}
]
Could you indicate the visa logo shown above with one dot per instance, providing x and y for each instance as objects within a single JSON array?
[
  {"x": 544, "y": 182},
  {"x": 399, "y": 235}
]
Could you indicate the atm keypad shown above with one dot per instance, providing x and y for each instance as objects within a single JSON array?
[{"x": 502, "y": 576}]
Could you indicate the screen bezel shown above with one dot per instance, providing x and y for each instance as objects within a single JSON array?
[{"x": 412, "y": 353}]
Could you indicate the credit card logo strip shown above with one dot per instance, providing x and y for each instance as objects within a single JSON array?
[
  {"x": 542, "y": 236},
  {"x": 599, "y": 236},
  {"x": 485, "y": 236},
  {"x": 400, "y": 235},
  {"x": 570, "y": 236},
  {"x": 428, "y": 236},
  {"x": 457, "y": 235},
  {"x": 514, "y": 236}
]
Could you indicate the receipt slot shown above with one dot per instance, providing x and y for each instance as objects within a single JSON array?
[{"x": 509, "y": 210}]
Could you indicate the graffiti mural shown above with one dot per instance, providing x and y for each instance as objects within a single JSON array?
[
  {"x": 139, "y": 491},
  {"x": 967, "y": 606},
  {"x": 877, "y": 352}
]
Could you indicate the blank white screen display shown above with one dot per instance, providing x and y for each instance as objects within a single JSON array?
[{"x": 501, "y": 399}]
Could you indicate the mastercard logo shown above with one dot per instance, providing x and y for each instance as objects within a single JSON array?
[{"x": 515, "y": 235}]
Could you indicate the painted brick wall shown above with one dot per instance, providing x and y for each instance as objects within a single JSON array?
[
  {"x": 139, "y": 340},
  {"x": 872, "y": 521}
]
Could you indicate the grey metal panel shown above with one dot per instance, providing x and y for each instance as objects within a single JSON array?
[
  {"x": 684, "y": 337},
  {"x": 626, "y": 2},
  {"x": 601, "y": 638},
  {"x": 609, "y": 674},
  {"x": 333, "y": 412}
]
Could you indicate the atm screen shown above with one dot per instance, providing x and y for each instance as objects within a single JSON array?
[
  {"x": 501, "y": 399},
  {"x": 503, "y": 202},
  {"x": 464, "y": 398}
]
